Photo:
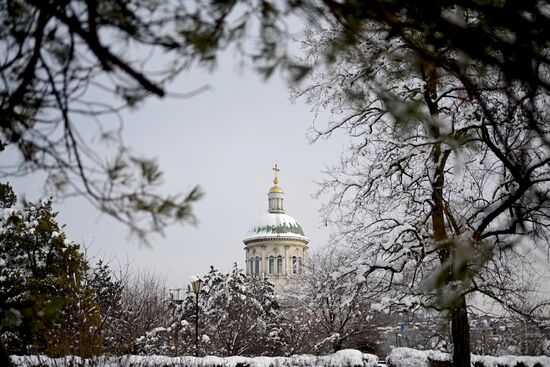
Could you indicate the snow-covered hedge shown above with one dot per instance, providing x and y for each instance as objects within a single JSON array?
[
  {"x": 407, "y": 357},
  {"x": 343, "y": 358}
]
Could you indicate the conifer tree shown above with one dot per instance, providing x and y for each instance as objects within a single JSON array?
[{"x": 45, "y": 306}]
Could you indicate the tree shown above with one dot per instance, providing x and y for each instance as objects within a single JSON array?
[
  {"x": 108, "y": 293},
  {"x": 58, "y": 59},
  {"x": 336, "y": 308},
  {"x": 44, "y": 303},
  {"x": 175, "y": 339},
  {"x": 296, "y": 328},
  {"x": 238, "y": 314},
  {"x": 142, "y": 305},
  {"x": 439, "y": 186}
]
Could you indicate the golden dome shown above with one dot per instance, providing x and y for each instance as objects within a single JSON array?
[{"x": 276, "y": 189}]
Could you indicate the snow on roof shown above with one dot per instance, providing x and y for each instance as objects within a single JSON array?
[{"x": 276, "y": 225}]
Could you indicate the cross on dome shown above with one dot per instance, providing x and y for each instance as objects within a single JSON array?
[
  {"x": 276, "y": 188},
  {"x": 276, "y": 170}
]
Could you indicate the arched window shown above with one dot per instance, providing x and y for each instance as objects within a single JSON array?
[
  {"x": 271, "y": 267},
  {"x": 300, "y": 266},
  {"x": 279, "y": 264},
  {"x": 294, "y": 265},
  {"x": 257, "y": 265}
]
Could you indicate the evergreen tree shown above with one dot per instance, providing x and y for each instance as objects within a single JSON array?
[
  {"x": 107, "y": 292},
  {"x": 238, "y": 315},
  {"x": 45, "y": 306}
]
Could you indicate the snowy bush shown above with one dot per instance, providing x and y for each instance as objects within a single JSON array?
[
  {"x": 170, "y": 341},
  {"x": 407, "y": 357},
  {"x": 343, "y": 358}
]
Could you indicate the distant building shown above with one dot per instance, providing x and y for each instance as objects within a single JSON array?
[{"x": 276, "y": 246}]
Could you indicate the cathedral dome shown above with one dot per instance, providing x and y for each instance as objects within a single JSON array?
[
  {"x": 276, "y": 245},
  {"x": 276, "y": 225}
]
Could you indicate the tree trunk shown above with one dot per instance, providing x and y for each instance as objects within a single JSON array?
[
  {"x": 4, "y": 356},
  {"x": 460, "y": 331},
  {"x": 460, "y": 328},
  {"x": 338, "y": 345}
]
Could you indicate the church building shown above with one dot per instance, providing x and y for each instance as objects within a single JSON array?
[{"x": 276, "y": 246}]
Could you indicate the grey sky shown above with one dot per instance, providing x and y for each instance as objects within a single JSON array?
[{"x": 226, "y": 140}]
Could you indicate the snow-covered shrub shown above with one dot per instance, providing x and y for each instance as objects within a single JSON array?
[
  {"x": 343, "y": 358},
  {"x": 407, "y": 357},
  {"x": 176, "y": 339}
]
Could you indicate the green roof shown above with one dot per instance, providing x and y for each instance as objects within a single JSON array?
[{"x": 284, "y": 228}]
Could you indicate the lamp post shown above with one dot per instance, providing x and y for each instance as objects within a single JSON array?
[{"x": 197, "y": 286}]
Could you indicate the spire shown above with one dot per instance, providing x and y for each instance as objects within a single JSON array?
[{"x": 276, "y": 194}]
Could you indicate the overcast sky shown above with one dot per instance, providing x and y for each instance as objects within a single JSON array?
[{"x": 226, "y": 140}]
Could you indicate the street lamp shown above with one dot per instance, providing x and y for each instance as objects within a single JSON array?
[{"x": 197, "y": 286}]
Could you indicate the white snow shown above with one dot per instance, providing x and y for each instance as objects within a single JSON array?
[
  {"x": 6, "y": 213},
  {"x": 342, "y": 358},
  {"x": 194, "y": 278},
  {"x": 408, "y": 357},
  {"x": 273, "y": 220}
]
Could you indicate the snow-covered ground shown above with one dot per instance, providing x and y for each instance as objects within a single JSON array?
[
  {"x": 343, "y": 358},
  {"x": 408, "y": 357},
  {"x": 399, "y": 357}
]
